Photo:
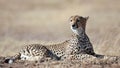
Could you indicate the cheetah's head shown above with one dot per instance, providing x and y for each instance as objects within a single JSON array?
[{"x": 78, "y": 23}]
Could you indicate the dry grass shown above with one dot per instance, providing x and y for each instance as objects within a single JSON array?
[
  {"x": 24, "y": 22},
  {"x": 57, "y": 64},
  {"x": 27, "y": 21}
]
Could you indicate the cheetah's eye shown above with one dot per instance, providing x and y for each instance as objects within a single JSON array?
[
  {"x": 78, "y": 20},
  {"x": 70, "y": 20}
]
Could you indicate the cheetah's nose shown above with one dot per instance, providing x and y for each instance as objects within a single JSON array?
[{"x": 73, "y": 25}]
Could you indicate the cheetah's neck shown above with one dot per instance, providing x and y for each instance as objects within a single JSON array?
[{"x": 82, "y": 37}]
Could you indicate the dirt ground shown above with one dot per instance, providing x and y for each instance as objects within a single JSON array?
[{"x": 55, "y": 64}]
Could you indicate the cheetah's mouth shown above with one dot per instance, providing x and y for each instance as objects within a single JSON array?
[{"x": 77, "y": 30}]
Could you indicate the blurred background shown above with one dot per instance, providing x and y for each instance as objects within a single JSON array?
[{"x": 24, "y": 22}]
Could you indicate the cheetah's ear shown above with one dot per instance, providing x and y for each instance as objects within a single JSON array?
[{"x": 87, "y": 18}]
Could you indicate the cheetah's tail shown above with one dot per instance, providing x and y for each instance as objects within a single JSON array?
[
  {"x": 11, "y": 59},
  {"x": 107, "y": 59},
  {"x": 112, "y": 59}
]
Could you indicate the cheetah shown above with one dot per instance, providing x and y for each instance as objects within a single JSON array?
[{"x": 77, "y": 44}]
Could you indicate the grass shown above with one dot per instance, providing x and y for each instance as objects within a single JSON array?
[{"x": 26, "y": 22}]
